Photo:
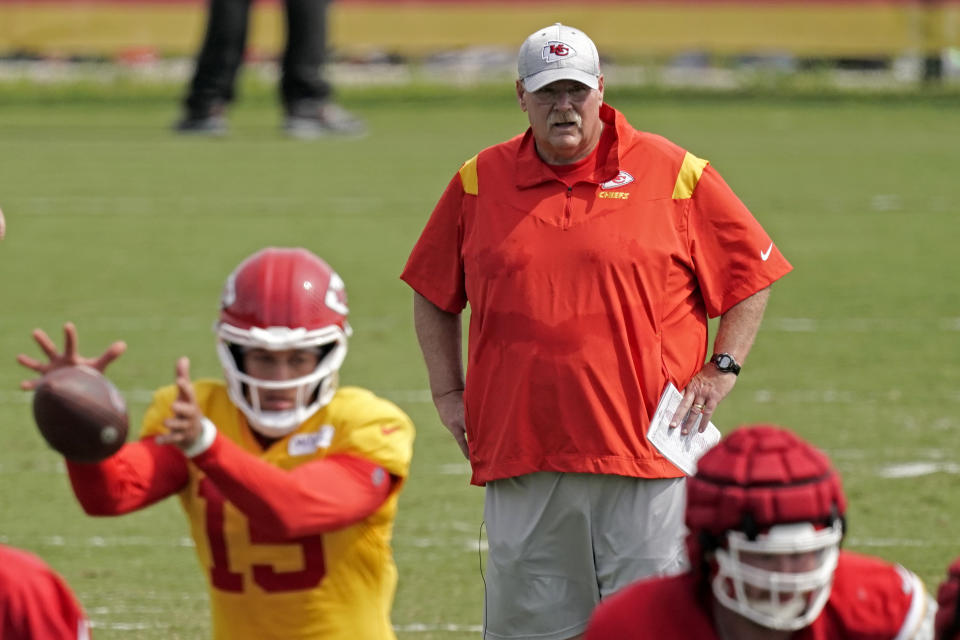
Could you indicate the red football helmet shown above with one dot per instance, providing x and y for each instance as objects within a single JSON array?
[
  {"x": 279, "y": 299},
  {"x": 765, "y": 515}
]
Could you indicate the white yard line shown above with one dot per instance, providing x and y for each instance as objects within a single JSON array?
[
  {"x": 102, "y": 541},
  {"x": 426, "y": 627},
  {"x": 917, "y": 469},
  {"x": 897, "y": 542}
]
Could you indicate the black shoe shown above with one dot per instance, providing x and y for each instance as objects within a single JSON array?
[
  {"x": 310, "y": 120},
  {"x": 209, "y": 122}
]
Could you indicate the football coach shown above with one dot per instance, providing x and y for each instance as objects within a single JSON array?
[{"x": 591, "y": 255}]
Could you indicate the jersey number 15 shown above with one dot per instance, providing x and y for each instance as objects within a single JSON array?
[{"x": 264, "y": 575}]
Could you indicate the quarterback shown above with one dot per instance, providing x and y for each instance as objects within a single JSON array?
[
  {"x": 765, "y": 513},
  {"x": 289, "y": 482}
]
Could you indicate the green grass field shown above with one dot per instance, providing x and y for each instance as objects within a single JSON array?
[{"x": 123, "y": 228}]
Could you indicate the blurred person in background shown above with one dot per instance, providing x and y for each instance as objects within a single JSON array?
[
  {"x": 35, "y": 602},
  {"x": 591, "y": 255},
  {"x": 765, "y": 513},
  {"x": 309, "y": 111},
  {"x": 289, "y": 481}
]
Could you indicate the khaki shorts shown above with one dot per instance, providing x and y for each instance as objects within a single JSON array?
[{"x": 559, "y": 542}]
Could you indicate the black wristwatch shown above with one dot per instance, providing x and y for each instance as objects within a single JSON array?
[{"x": 725, "y": 363}]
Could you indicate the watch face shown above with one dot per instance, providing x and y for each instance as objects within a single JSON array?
[{"x": 724, "y": 361}]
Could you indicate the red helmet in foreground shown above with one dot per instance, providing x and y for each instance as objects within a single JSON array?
[
  {"x": 765, "y": 515},
  {"x": 279, "y": 299}
]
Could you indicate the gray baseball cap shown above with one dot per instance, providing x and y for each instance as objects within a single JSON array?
[{"x": 558, "y": 52}]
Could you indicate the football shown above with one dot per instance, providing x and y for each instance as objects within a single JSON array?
[{"x": 80, "y": 413}]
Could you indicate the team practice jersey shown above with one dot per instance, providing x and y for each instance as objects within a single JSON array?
[
  {"x": 870, "y": 600},
  {"x": 269, "y": 581},
  {"x": 589, "y": 290},
  {"x": 35, "y": 603}
]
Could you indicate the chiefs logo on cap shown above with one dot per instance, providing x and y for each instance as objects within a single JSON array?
[{"x": 556, "y": 50}]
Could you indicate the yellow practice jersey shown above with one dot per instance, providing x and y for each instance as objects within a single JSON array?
[{"x": 334, "y": 586}]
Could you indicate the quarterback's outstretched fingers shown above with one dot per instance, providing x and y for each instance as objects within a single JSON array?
[
  {"x": 70, "y": 341},
  {"x": 184, "y": 385},
  {"x": 30, "y": 385},
  {"x": 46, "y": 344},
  {"x": 183, "y": 409},
  {"x": 31, "y": 363},
  {"x": 184, "y": 426},
  {"x": 39, "y": 366},
  {"x": 113, "y": 352}
]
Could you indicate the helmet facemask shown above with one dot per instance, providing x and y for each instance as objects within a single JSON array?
[
  {"x": 314, "y": 390},
  {"x": 778, "y": 597}
]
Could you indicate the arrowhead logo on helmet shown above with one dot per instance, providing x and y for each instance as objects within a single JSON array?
[{"x": 336, "y": 297}]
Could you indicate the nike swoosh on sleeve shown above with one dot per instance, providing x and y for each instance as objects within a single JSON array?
[{"x": 766, "y": 254}]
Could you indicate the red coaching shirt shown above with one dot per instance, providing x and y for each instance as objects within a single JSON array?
[
  {"x": 870, "y": 600},
  {"x": 589, "y": 290}
]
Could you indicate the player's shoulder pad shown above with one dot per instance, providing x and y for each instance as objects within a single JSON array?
[
  {"x": 872, "y": 596},
  {"x": 372, "y": 428},
  {"x": 363, "y": 405},
  {"x": 165, "y": 394}
]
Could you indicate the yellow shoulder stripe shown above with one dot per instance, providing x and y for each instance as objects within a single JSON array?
[
  {"x": 689, "y": 176},
  {"x": 468, "y": 176}
]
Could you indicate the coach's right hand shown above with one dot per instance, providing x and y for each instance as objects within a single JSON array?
[{"x": 450, "y": 408}]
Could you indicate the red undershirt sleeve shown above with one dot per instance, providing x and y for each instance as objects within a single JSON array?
[
  {"x": 138, "y": 475},
  {"x": 316, "y": 497}
]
